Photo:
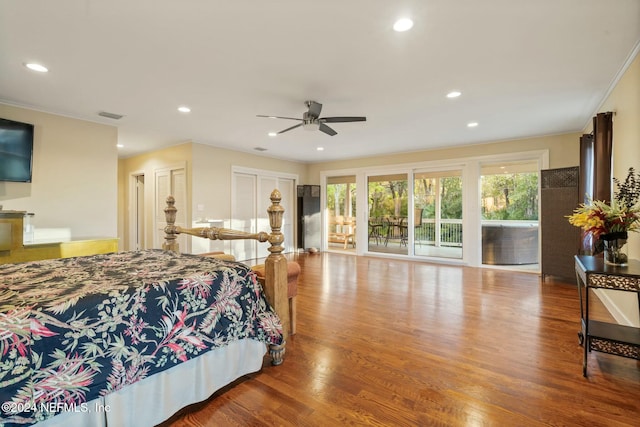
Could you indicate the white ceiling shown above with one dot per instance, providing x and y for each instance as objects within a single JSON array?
[{"x": 524, "y": 67}]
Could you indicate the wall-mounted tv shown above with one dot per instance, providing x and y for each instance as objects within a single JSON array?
[{"x": 16, "y": 151}]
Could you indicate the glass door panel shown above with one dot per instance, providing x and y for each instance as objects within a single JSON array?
[
  {"x": 509, "y": 204},
  {"x": 341, "y": 209},
  {"x": 388, "y": 213},
  {"x": 437, "y": 221}
]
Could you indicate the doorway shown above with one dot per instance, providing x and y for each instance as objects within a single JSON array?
[
  {"x": 388, "y": 219},
  {"x": 437, "y": 226},
  {"x": 509, "y": 212},
  {"x": 136, "y": 219},
  {"x": 341, "y": 209}
]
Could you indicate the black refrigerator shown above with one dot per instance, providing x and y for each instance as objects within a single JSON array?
[{"x": 309, "y": 223}]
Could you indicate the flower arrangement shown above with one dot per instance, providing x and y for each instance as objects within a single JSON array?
[{"x": 612, "y": 222}]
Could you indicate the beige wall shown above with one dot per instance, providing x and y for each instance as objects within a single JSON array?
[
  {"x": 208, "y": 180},
  {"x": 564, "y": 150},
  {"x": 212, "y": 176},
  {"x": 74, "y": 175},
  {"x": 624, "y": 100}
]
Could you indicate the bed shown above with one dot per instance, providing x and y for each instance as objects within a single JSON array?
[{"x": 130, "y": 338}]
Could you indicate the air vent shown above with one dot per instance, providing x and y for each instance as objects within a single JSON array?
[
  {"x": 110, "y": 115},
  {"x": 260, "y": 149}
]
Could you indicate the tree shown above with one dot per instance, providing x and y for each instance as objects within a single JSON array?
[
  {"x": 510, "y": 196},
  {"x": 451, "y": 197}
]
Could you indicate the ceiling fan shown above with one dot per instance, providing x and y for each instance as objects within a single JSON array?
[{"x": 311, "y": 119}]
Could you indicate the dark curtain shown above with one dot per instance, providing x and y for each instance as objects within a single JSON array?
[
  {"x": 595, "y": 168},
  {"x": 602, "y": 155}
]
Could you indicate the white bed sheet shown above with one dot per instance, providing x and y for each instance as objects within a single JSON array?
[{"x": 155, "y": 399}]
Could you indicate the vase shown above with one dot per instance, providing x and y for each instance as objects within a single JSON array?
[{"x": 615, "y": 249}]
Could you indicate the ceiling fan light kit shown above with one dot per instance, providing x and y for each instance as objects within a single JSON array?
[{"x": 311, "y": 119}]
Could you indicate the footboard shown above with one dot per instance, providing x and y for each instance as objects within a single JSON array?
[{"x": 275, "y": 287}]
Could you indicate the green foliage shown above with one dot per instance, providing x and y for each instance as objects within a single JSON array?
[
  {"x": 504, "y": 197},
  {"x": 337, "y": 193},
  {"x": 451, "y": 197},
  {"x": 388, "y": 198},
  {"x": 510, "y": 196},
  {"x": 628, "y": 192}
]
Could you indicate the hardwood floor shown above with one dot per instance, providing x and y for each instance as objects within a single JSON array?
[{"x": 401, "y": 343}]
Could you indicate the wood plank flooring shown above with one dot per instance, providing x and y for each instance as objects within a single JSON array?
[{"x": 401, "y": 343}]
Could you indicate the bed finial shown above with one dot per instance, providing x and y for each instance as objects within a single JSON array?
[
  {"x": 170, "y": 242},
  {"x": 276, "y": 213},
  {"x": 275, "y": 268}
]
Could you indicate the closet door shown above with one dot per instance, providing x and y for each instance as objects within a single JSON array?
[
  {"x": 251, "y": 197},
  {"x": 265, "y": 187},
  {"x": 170, "y": 182},
  {"x": 243, "y": 214}
]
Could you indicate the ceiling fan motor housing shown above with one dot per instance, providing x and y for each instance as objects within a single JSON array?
[{"x": 310, "y": 122}]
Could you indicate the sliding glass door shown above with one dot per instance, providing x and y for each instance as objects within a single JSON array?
[
  {"x": 509, "y": 209},
  {"x": 388, "y": 220},
  {"x": 437, "y": 220},
  {"x": 341, "y": 210},
  {"x": 435, "y": 209}
]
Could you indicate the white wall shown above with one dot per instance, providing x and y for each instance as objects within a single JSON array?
[{"x": 74, "y": 182}]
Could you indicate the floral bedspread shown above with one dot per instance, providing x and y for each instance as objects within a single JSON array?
[{"x": 78, "y": 328}]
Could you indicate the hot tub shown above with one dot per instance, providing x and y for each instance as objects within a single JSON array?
[{"x": 509, "y": 244}]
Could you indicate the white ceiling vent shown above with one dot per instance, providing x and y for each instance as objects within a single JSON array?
[{"x": 110, "y": 115}]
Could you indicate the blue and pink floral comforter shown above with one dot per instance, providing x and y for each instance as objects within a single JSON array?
[{"x": 74, "y": 329}]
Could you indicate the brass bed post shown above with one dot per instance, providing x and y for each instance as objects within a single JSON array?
[
  {"x": 275, "y": 287},
  {"x": 170, "y": 235},
  {"x": 275, "y": 271}
]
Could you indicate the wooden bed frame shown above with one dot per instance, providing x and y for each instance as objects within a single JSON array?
[{"x": 275, "y": 287}]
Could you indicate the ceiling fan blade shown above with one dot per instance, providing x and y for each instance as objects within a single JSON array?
[
  {"x": 314, "y": 108},
  {"x": 342, "y": 119},
  {"x": 278, "y": 117},
  {"x": 288, "y": 129},
  {"x": 326, "y": 129}
]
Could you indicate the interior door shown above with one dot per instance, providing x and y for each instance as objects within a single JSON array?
[
  {"x": 139, "y": 213},
  {"x": 171, "y": 182}
]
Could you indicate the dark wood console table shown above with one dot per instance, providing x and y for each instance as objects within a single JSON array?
[{"x": 593, "y": 273}]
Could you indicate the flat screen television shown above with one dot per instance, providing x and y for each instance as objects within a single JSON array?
[{"x": 16, "y": 151}]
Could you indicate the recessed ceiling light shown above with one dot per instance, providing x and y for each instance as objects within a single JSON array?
[
  {"x": 272, "y": 134},
  {"x": 454, "y": 94},
  {"x": 472, "y": 124},
  {"x": 403, "y": 24},
  {"x": 320, "y": 148},
  {"x": 184, "y": 109},
  {"x": 120, "y": 146},
  {"x": 36, "y": 67}
]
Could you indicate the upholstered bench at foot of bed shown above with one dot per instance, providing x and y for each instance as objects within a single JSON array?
[
  {"x": 219, "y": 255},
  {"x": 293, "y": 270}
]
